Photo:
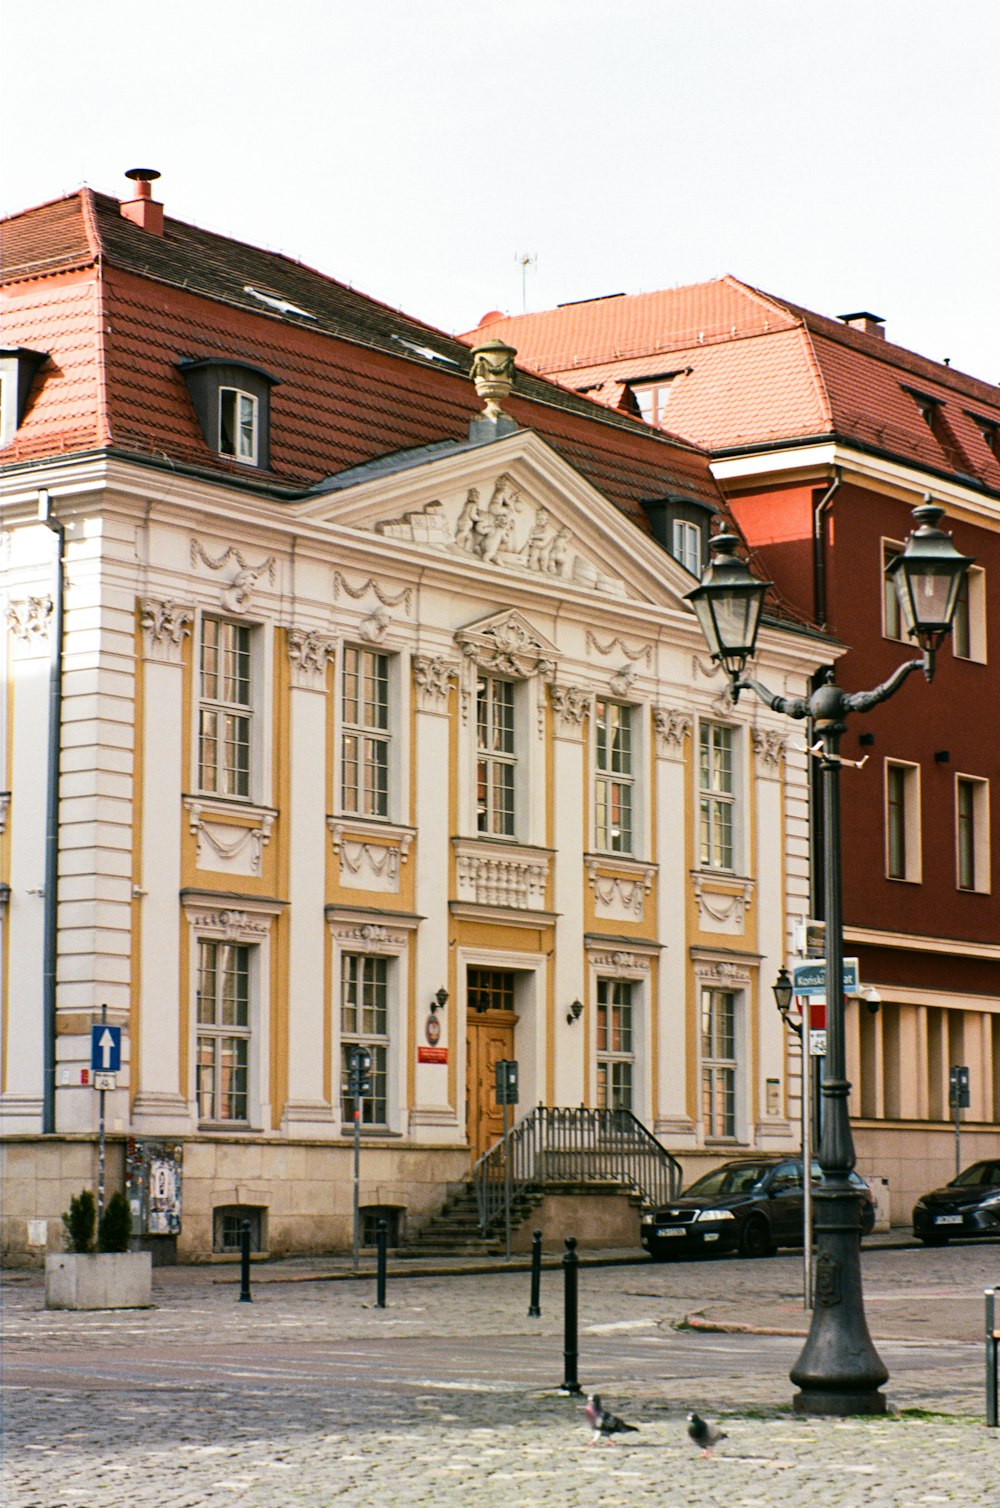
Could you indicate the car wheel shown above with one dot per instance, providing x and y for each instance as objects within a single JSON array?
[
  {"x": 755, "y": 1238},
  {"x": 937, "y": 1239}
]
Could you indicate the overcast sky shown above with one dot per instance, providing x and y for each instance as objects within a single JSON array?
[{"x": 841, "y": 153}]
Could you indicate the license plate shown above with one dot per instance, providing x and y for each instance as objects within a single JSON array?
[
  {"x": 670, "y": 1230},
  {"x": 947, "y": 1220}
]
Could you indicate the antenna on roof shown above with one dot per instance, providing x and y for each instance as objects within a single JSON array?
[{"x": 527, "y": 259}]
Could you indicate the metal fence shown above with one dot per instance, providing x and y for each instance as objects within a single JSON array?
[{"x": 575, "y": 1146}]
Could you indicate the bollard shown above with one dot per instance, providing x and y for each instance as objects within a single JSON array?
[
  {"x": 381, "y": 1239},
  {"x": 570, "y": 1353},
  {"x": 534, "y": 1307},
  {"x": 245, "y": 1263}
]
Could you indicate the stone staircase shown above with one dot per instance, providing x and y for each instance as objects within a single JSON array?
[{"x": 455, "y": 1232}]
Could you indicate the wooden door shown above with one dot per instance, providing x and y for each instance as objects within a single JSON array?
[{"x": 489, "y": 1038}]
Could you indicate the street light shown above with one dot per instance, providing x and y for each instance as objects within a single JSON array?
[{"x": 838, "y": 1371}]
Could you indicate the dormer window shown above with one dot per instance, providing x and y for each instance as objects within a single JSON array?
[
  {"x": 990, "y": 432},
  {"x": 682, "y": 526},
  {"x": 233, "y": 405},
  {"x": 238, "y": 425},
  {"x": 18, "y": 366}
]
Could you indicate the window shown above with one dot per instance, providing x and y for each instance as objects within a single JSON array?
[
  {"x": 615, "y": 1058},
  {"x": 496, "y": 763},
  {"x": 365, "y": 735},
  {"x": 223, "y": 1005},
  {"x": 718, "y": 1062},
  {"x": 892, "y": 622},
  {"x": 238, "y": 425},
  {"x": 18, "y": 367},
  {"x": 652, "y": 398},
  {"x": 968, "y": 634},
  {"x": 902, "y": 821},
  {"x": 613, "y": 797},
  {"x": 228, "y": 1226},
  {"x": 687, "y": 545},
  {"x": 717, "y": 796},
  {"x": 490, "y": 990},
  {"x": 364, "y": 1022},
  {"x": 990, "y": 432},
  {"x": 225, "y": 708},
  {"x": 972, "y": 833}
]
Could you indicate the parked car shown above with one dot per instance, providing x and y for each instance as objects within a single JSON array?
[
  {"x": 751, "y": 1206},
  {"x": 968, "y": 1206}
]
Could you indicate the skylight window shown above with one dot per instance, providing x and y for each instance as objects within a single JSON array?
[
  {"x": 275, "y": 301},
  {"x": 424, "y": 351}
]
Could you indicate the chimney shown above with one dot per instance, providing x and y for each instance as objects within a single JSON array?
[
  {"x": 144, "y": 210},
  {"x": 871, "y": 324}
]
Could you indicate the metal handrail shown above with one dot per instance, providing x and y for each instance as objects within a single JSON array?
[{"x": 573, "y": 1145}]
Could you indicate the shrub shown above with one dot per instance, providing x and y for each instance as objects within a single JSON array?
[
  {"x": 79, "y": 1221},
  {"x": 115, "y": 1226}
]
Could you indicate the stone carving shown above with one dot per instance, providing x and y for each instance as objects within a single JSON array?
[
  {"x": 340, "y": 583},
  {"x": 434, "y": 675},
  {"x": 770, "y": 745},
  {"x": 236, "y": 596},
  {"x": 722, "y": 911},
  {"x": 368, "y": 865},
  {"x": 616, "y": 894},
  {"x": 237, "y": 850},
  {"x": 425, "y": 526},
  {"x": 30, "y": 618},
  {"x": 621, "y": 681},
  {"x": 570, "y": 704},
  {"x": 165, "y": 623},
  {"x": 722, "y": 973},
  {"x": 372, "y": 937},
  {"x": 508, "y": 646},
  {"x": 672, "y": 727},
  {"x": 372, "y": 628},
  {"x": 230, "y": 925},
  {"x": 309, "y": 653},
  {"x": 493, "y": 373},
  {"x": 497, "y": 880},
  {"x": 643, "y": 652},
  {"x": 619, "y": 962},
  {"x": 4, "y": 808}
]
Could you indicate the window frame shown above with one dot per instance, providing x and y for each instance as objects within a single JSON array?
[
  {"x": 490, "y": 761},
  {"x": 903, "y": 835},
  {"x": 970, "y": 613},
  {"x": 690, "y": 533},
  {"x": 893, "y": 626},
  {"x": 248, "y": 712},
  {"x": 377, "y": 1041},
  {"x": 717, "y": 1068},
  {"x": 367, "y": 799},
  {"x": 609, "y": 1060},
  {"x": 653, "y": 411},
  {"x": 972, "y": 834},
  {"x": 713, "y": 802},
  {"x": 240, "y": 397},
  {"x": 610, "y": 783},
  {"x": 222, "y": 1033}
]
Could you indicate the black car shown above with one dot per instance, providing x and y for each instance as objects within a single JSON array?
[
  {"x": 751, "y": 1206},
  {"x": 968, "y": 1206}
]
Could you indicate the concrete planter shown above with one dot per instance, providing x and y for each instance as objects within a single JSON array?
[{"x": 99, "y": 1280}]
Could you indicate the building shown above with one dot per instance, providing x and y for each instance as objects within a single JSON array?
[
  {"x": 339, "y": 713},
  {"x": 824, "y": 435}
]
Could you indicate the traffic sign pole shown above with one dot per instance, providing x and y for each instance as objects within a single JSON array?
[{"x": 100, "y": 1155}]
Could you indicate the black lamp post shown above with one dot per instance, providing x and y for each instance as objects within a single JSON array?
[{"x": 839, "y": 1371}]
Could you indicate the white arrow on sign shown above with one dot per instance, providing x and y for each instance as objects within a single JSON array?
[{"x": 106, "y": 1044}]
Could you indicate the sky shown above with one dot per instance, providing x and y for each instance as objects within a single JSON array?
[{"x": 843, "y": 154}]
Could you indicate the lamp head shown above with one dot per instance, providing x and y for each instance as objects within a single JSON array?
[
  {"x": 928, "y": 577},
  {"x": 728, "y": 602}
]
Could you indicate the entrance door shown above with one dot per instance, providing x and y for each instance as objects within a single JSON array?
[{"x": 489, "y": 1038}]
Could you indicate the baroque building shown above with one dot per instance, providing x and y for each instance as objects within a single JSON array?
[{"x": 339, "y": 713}]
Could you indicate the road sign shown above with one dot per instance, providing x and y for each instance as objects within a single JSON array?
[
  {"x": 959, "y": 1096},
  {"x": 817, "y": 1044},
  {"x": 105, "y": 1080},
  {"x": 105, "y": 1048},
  {"x": 810, "y": 978}
]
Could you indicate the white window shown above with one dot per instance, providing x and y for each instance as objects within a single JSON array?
[
  {"x": 652, "y": 398},
  {"x": 613, "y": 804},
  {"x": 225, "y": 709},
  {"x": 224, "y": 1045},
  {"x": 687, "y": 544},
  {"x": 968, "y": 634},
  {"x": 718, "y": 1063},
  {"x": 364, "y": 1022},
  {"x": 972, "y": 833},
  {"x": 892, "y": 621},
  {"x": 496, "y": 758},
  {"x": 615, "y": 1050},
  {"x": 365, "y": 733},
  {"x": 717, "y": 805},
  {"x": 238, "y": 428},
  {"x": 902, "y": 821}
]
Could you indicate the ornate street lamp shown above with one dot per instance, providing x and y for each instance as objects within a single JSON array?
[
  {"x": 783, "y": 990},
  {"x": 838, "y": 1371}
]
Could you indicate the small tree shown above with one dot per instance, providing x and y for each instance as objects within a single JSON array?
[
  {"x": 115, "y": 1227},
  {"x": 79, "y": 1221}
]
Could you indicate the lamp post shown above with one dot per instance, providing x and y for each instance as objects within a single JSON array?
[
  {"x": 838, "y": 1371},
  {"x": 783, "y": 990}
]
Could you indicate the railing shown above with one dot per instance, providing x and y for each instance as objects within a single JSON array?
[{"x": 573, "y": 1145}]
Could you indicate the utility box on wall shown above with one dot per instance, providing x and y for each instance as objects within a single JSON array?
[{"x": 153, "y": 1174}]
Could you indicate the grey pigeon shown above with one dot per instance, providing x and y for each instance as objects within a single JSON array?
[
  {"x": 606, "y": 1425},
  {"x": 704, "y": 1433}
]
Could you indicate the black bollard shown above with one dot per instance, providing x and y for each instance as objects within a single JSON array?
[
  {"x": 534, "y": 1308},
  {"x": 381, "y": 1238},
  {"x": 245, "y": 1263},
  {"x": 570, "y": 1264}
]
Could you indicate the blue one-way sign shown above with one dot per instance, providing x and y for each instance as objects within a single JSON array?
[{"x": 105, "y": 1048}]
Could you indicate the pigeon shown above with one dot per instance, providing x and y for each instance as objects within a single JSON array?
[
  {"x": 606, "y": 1425},
  {"x": 704, "y": 1433}
]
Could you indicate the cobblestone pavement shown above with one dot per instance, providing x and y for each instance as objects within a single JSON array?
[{"x": 313, "y": 1396}]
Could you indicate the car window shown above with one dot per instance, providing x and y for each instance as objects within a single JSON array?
[
  {"x": 787, "y": 1175},
  {"x": 976, "y": 1175},
  {"x": 731, "y": 1178}
]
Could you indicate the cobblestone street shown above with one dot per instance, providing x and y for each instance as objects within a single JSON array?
[{"x": 311, "y": 1395}]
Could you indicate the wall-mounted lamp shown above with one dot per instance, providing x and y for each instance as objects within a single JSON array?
[
  {"x": 783, "y": 990},
  {"x": 575, "y": 1012},
  {"x": 872, "y": 998},
  {"x": 440, "y": 1001}
]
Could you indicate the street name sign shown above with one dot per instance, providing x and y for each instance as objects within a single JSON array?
[{"x": 810, "y": 978}]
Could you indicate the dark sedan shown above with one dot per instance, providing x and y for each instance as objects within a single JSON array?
[
  {"x": 751, "y": 1206},
  {"x": 968, "y": 1206}
]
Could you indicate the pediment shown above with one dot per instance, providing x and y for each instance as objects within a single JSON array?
[
  {"x": 508, "y": 644},
  {"x": 514, "y": 506}
]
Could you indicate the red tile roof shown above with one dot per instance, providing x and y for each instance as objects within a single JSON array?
[{"x": 752, "y": 369}]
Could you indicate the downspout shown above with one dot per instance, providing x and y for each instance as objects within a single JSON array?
[
  {"x": 819, "y": 557},
  {"x": 51, "y": 915}
]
